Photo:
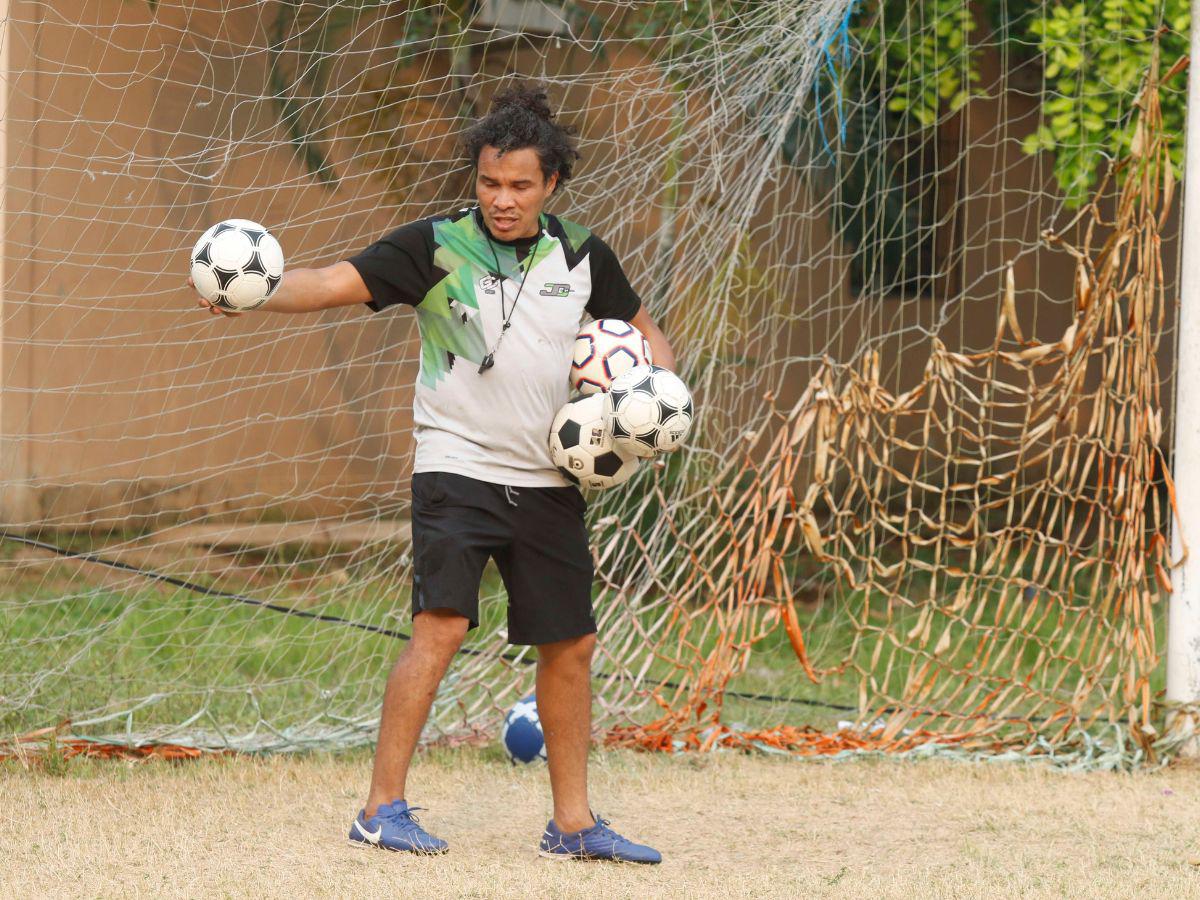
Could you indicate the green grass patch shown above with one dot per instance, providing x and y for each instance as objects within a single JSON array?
[{"x": 141, "y": 656}]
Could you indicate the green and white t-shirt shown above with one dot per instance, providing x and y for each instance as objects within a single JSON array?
[{"x": 493, "y": 425}]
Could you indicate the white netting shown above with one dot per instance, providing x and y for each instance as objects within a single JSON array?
[{"x": 819, "y": 200}]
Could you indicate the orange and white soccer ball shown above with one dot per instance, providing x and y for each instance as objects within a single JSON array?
[{"x": 604, "y": 350}]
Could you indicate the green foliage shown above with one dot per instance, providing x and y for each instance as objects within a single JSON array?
[
  {"x": 923, "y": 60},
  {"x": 1096, "y": 55},
  {"x": 925, "y": 50}
]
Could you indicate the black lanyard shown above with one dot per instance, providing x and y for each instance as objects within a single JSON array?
[{"x": 490, "y": 359}]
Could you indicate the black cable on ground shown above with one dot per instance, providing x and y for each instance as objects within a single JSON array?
[{"x": 350, "y": 623}]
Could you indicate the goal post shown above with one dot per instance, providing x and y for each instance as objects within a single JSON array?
[
  {"x": 17, "y": 500},
  {"x": 1183, "y": 624}
]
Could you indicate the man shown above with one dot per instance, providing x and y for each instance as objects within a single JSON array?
[{"x": 499, "y": 291}]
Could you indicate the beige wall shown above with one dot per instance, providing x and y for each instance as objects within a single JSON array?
[{"x": 129, "y": 400}]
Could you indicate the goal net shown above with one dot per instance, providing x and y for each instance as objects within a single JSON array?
[{"x": 916, "y": 261}]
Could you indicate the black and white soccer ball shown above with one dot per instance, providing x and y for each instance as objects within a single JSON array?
[
  {"x": 582, "y": 448},
  {"x": 237, "y": 265},
  {"x": 648, "y": 410},
  {"x": 605, "y": 349}
]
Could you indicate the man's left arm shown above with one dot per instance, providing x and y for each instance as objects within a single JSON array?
[
  {"x": 660, "y": 347},
  {"x": 614, "y": 298}
]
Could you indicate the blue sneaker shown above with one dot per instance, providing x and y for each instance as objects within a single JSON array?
[
  {"x": 394, "y": 827},
  {"x": 597, "y": 842}
]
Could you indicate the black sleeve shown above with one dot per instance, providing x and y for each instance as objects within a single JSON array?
[
  {"x": 398, "y": 267},
  {"x": 612, "y": 296}
]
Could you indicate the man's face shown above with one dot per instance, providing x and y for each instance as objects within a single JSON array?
[{"x": 511, "y": 191}]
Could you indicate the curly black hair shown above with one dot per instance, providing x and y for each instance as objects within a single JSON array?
[{"x": 520, "y": 116}]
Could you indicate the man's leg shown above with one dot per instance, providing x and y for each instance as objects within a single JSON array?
[
  {"x": 564, "y": 701},
  {"x": 412, "y": 684}
]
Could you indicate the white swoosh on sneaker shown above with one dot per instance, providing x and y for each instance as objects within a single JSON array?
[{"x": 372, "y": 837}]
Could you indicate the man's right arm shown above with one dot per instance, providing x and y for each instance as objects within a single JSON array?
[{"x": 310, "y": 290}]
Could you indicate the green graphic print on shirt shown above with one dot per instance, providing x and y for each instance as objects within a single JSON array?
[{"x": 448, "y": 316}]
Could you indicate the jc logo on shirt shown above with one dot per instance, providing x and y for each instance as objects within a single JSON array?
[{"x": 550, "y": 289}]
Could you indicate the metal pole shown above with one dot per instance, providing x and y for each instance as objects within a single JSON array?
[{"x": 1183, "y": 623}]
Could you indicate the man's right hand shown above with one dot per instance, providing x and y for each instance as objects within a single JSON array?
[
  {"x": 307, "y": 290},
  {"x": 204, "y": 303}
]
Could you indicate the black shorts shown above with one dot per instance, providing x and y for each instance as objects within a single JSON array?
[{"x": 537, "y": 536}]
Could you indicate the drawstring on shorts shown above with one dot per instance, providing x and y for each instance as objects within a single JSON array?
[{"x": 509, "y": 493}]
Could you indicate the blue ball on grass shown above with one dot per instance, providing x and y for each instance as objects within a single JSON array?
[{"x": 521, "y": 735}]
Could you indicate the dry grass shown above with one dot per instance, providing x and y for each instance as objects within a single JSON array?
[{"x": 728, "y": 826}]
